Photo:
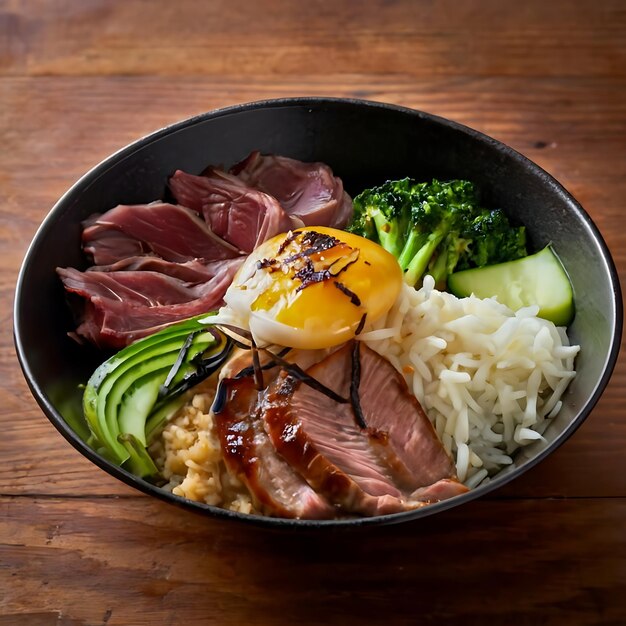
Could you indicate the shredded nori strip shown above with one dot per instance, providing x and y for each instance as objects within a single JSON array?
[
  {"x": 249, "y": 371},
  {"x": 220, "y": 397},
  {"x": 320, "y": 241},
  {"x": 303, "y": 254},
  {"x": 295, "y": 371},
  {"x": 308, "y": 276},
  {"x": 359, "y": 328},
  {"x": 265, "y": 263},
  {"x": 182, "y": 353},
  {"x": 317, "y": 242},
  {"x": 288, "y": 239},
  {"x": 354, "y": 385},
  {"x": 256, "y": 364},
  {"x": 204, "y": 368},
  {"x": 353, "y": 297},
  {"x": 299, "y": 374}
]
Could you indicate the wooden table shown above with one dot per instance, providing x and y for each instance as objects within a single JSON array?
[{"x": 81, "y": 78}]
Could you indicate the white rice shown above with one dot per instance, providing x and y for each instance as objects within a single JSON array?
[{"x": 489, "y": 379}]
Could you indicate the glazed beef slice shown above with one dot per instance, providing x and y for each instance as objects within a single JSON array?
[{"x": 367, "y": 468}]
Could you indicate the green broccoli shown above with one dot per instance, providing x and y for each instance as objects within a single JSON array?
[
  {"x": 493, "y": 240},
  {"x": 435, "y": 227},
  {"x": 382, "y": 214}
]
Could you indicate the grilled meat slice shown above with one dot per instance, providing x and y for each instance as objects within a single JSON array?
[
  {"x": 276, "y": 487},
  {"x": 369, "y": 468}
]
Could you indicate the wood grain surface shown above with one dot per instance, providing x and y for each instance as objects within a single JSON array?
[{"x": 80, "y": 79}]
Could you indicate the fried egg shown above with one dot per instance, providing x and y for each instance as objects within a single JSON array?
[{"x": 313, "y": 288}]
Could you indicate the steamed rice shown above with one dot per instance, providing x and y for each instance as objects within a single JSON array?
[{"x": 489, "y": 379}]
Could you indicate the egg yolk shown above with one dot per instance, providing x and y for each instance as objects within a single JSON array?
[{"x": 312, "y": 288}]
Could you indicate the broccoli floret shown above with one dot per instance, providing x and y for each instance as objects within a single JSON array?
[
  {"x": 493, "y": 240},
  {"x": 446, "y": 210},
  {"x": 382, "y": 214},
  {"x": 452, "y": 249},
  {"x": 436, "y": 227},
  {"x": 426, "y": 214}
]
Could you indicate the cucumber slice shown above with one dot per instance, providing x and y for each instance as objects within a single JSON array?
[{"x": 536, "y": 279}]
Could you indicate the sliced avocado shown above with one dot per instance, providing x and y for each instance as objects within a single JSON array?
[
  {"x": 136, "y": 392},
  {"x": 161, "y": 415},
  {"x": 101, "y": 380},
  {"x": 139, "y": 462},
  {"x": 144, "y": 378},
  {"x": 118, "y": 375},
  {"x": 535, "y": 279}
]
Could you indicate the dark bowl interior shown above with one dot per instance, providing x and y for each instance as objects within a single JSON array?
[{"x": 365, "y": 143}]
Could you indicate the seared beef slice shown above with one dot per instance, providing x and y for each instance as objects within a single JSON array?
[
  {"x": 368, "y": 471},
  {"x": 390, "y": 409},
  {"x": 275, "y": 486},
  {"x": 321, "y": 440}
]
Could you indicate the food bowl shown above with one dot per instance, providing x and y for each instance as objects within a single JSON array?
[{"x": 365, "y": 143}]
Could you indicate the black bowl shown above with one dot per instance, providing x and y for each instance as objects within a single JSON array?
[{"x": 365, "y": 143}]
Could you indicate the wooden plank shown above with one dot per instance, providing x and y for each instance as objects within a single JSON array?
[
  {"x": 223, "y": 37},
  {"x": 136, "y": 562},
  {"x": 558, "y": 123},
  {"x": 82, "y": 78}
]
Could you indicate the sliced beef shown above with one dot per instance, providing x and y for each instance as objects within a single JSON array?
[
  {"x": 120, "y": 307},
  {"x": 236, "y": 212},
  {"x": 419, "y": 458},
  {"x": 155, "y": 264},
  {"x": 308, "y": 191},
  {"x": 320, "y": 439},
  {"x": 248, "y": 453},
  {"x": 173, "y": 232},
  {"x": 376, "y": 469},
  {"x": 106, "y": 245},
  {"x": 190, "y": 271},
  {"x": 441, "y": 490}
]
